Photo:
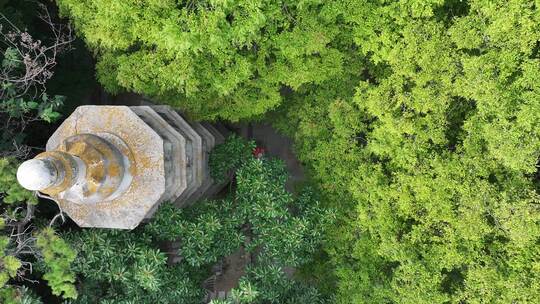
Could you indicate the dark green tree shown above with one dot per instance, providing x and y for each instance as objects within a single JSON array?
[
  {"x": 127, "y": 267},
  {"x": 26, "y": 65},
  {"x": 208, "y": 231},
  {"x": 225, "y": 159},
  {"x": 277, "y": 228}
]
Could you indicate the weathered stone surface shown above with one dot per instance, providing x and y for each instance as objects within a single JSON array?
[
  {"x": 140, "y": 143},
  {"x": 218, "y": 137},
  {"x": 194, "y": 152},
  {"x": 174, "y": 151},
  {"x": 208, "y": 143}
]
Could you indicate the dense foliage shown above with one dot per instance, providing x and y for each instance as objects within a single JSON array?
[
  {"x": 207, "y": 232},
  {"x": 269, "y": 284},
  {"x": 225, "y": 59},
  {"x": 126, "y": 267},
  {"x": 226, "y": 158},
  {"x": 432, "y": 158},
  {"x": 271, "y": 225},
  {"x": 57, "y": 257},
  {"x": 29, "y": 250}
]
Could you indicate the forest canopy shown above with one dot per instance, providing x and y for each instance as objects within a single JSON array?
[
  {"x": 419, "y": 121},
  {"x": 435, "y": 152},
  {"x": 215, "y": 59}
]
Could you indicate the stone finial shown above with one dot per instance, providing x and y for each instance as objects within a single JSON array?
[
  {"x": 85, "y": 168},
  {"x": 37, "y": 174}
]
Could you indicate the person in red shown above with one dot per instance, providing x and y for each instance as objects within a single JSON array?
[{"x": 258, "y": 152}]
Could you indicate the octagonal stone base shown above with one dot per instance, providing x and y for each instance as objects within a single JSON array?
[
  {"x": 148, "y": 172},
  {"x": 169, "y": 155}
]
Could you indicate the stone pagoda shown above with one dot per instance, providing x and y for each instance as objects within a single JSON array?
[{"x": 112, "y": 166}]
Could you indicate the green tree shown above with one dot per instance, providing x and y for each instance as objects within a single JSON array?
[
  {"x": 431, "y": 159},
  {"x": 275, "y": 227},
  {"x": 208, "y": 231},
  {"x": 226, "y": 158},
  {"x": 227, "y": 59}
]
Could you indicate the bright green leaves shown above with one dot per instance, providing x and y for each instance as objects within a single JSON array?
[
  {"x": 8, "y": 265},
  {"x": 215, "y": 59},
  {"x": 127, "y": 266},
  {"x": 433, "y": 160},
  {"x": 9, "y": 187},
  {"x": 58, "y": 256},
  {"x": 494, "y": 78},
  {"x": 110, "y": 27},
  {"x": 433, "y": 211},
  {"x": 11, "y": 265}
]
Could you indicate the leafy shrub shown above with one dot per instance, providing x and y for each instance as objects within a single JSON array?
[
  {"x": 58, "y": 256},
  {"x": 124, "y": 267},
  {"x": 229, "y": 156},
  {"x": 207, "y": 232},
  {"x": 278, "y": 229}
]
